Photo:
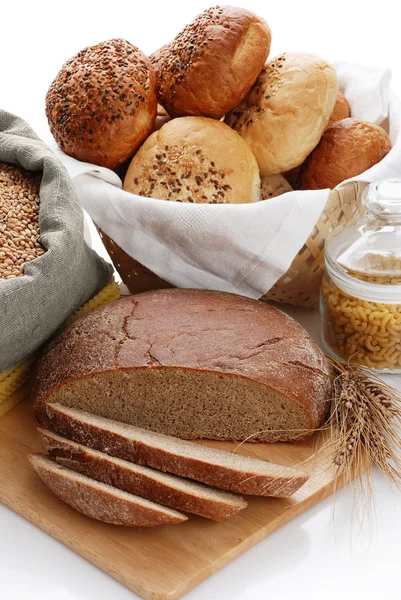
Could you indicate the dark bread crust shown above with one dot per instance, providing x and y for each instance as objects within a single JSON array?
[
  {"x": 99, "y": 501},
  {"x": 102, "y": 104},
  {"x": 198, "y": 332},
  {"x": 210, "y": 66},
  {"x": 347, "y": 149},
  {"x": 163, "y": 489},
  {"x": 216, "y": 468}
]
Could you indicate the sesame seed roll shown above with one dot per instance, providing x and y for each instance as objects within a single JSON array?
[
  {"x": 102, "y": 104},
  {"x": 210, "y": 66},
  {"x": 195, "y": 159}
]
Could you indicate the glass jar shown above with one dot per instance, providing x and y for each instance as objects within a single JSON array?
[{"x": 360, "y": 300}]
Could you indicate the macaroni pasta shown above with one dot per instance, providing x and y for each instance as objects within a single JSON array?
[{"x": 366, "y": 332}]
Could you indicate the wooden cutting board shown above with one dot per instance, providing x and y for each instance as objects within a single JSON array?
[{"x": 164, "y": 562}]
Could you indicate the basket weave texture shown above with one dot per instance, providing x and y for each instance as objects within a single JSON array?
[{"x": 300, "y": 286}]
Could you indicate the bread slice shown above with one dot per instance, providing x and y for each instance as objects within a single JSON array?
[
  {"x": 217, "y": 468},
  {"x": 162, "y": 488},
  {"x": 100, "y": 501}
]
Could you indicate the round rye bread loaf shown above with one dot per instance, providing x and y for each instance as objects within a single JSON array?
[{"x": 192, "y": 364}]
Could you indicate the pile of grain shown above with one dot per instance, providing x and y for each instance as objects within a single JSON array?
[{"x": 19, "y": 220}]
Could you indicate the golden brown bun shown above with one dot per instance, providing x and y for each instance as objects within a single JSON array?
[
  {"x": 102, "y": 104},
  {"x": 210, "y": 66},
  {"x": 162, "y": 117},
  {"x": 285, "y": 113},
  {"x": 195, "y": 159},
  {"x": 347, "y": 148},
  {"x": 270, "y": 187},
  {"x": 341, "y": 109}
]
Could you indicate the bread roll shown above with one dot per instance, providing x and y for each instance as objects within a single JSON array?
[
  {"x": 341, "y": 109},
  {"x": 162, "y": 117},
  {"x": 285, "y": 113},
  {"x": 270, "y": 187},
  {"x": 293, "y": 176},
  {"x": 210, "y": 66},
  {"x": 195, "y": 159},
  {"x": 348, "y": 148},
  {"x": 102, "y": 104}
]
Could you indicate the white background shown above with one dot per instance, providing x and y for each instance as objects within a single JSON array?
[{"x": 315, "y": 556}]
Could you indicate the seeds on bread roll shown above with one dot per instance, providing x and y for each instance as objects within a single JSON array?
[
  {"x": 270, "y": 187},
  {"x": 341, "y": 109},
  {"x": 286, "y": 111},
  {"x": 195, "y": 159},
  {"x": 102, "y": 104},
  {"x": 348, "y": 148},
  {"x": 210, "y": 66}
]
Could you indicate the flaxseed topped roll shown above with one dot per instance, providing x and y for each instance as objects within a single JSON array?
[
  {"x": 210, "y": 66},
  {"x": 102, "y": 104},
  {"x": 195, "y": 159}
]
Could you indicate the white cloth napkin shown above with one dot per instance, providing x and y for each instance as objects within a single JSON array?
[{"x": 243, "y": 249}]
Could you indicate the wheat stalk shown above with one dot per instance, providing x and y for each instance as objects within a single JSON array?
[
  {"x": 365, "y": 429},
  {"x": 365, "y": 423}
]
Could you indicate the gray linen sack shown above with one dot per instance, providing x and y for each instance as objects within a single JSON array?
[{"x": 34, "y": 305}]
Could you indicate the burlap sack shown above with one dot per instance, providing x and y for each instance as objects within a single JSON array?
[{"x": 34, "y": 305}]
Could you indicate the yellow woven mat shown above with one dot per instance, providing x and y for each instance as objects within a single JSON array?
[{"x": 14, "y": 377}]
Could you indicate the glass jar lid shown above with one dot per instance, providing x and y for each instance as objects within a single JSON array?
[{"x": 366, "y": 258}]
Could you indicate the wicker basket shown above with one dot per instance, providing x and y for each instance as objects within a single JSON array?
[{"x": 299, "y": 286}]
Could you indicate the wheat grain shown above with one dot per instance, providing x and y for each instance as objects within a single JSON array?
[{"x": 19, "y": 220}]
